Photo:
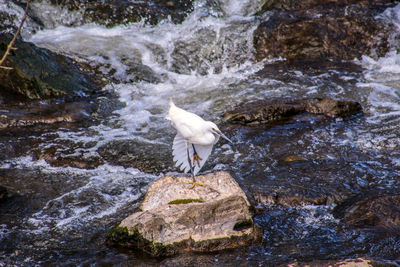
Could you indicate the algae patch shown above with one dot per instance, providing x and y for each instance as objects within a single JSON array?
[
  {"x": 185, "y": 201},
  {"x": 120, "y": 236}
]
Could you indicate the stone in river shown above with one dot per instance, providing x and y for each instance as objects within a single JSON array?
[
  {"x": 273, "y": 110},
  {"x": 175, "y": 219}
]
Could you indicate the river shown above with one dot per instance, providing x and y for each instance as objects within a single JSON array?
[{"x": 60, "y": 212}]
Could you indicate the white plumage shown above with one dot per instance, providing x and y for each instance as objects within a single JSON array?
[{"x": 194, "y": 136}]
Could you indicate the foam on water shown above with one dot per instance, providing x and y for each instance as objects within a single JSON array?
[
  {"x": 106, "y": 190},
  {"x": 225, "y": 61},
  {"x": 102, "y": 192}
]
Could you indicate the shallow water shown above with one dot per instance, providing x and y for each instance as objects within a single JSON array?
[{"x": 60, "y": 212}]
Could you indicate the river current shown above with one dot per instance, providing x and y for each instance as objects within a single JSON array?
[{"x": 61, "y": 214}]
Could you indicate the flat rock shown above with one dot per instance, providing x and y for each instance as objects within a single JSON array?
[
  {"x": 268, "y": 111},
  {"x": 212, "y": 217}
]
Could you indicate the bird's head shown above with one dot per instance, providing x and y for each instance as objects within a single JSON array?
[{"x": 214, "y": 129}]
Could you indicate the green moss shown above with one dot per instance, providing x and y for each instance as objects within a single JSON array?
[
  {"x": 185, "y": 201},
  {"x": 243, "y": 224},
  {"x": 118, "y": 234}
]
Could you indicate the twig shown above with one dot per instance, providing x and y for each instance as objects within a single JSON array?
[{"x": 10, "y": 45}]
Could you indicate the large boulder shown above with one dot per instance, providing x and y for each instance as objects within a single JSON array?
[
  {"x": 38, "y": 73},
  {"x": 175, "y": 218},
  {"x": 321, "y": 30},
  {"x": 109, "y": 13}
]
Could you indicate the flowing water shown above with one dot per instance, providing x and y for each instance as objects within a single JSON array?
[{"x": 60, "y": 213}]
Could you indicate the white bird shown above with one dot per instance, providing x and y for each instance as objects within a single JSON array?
[{"x": 194, "y": 139}]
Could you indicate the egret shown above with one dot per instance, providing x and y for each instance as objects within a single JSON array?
[{"x": 194, "y": 140}]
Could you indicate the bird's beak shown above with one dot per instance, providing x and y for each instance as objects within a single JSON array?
[{"x": 223, "y": 136}]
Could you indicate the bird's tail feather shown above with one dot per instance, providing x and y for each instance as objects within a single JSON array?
[{"x": 180, "y": 154}]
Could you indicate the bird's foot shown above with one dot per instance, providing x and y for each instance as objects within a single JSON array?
[
  {"x": 194, "y": 184},
  {"x": 197, "y": 159}
]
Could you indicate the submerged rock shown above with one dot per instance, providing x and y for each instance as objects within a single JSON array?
[
  {"x": 321, "y": 30},
  {"x": 133, "y": 153},
  {"x": 268, "y": 111},
  {"x": 174, "y": 218},
  {"x": 372, "y": 209}
]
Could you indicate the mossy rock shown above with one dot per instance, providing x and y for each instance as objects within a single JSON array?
[
  {"x": 120, "y": 236},
  {"x": 38, "y": 73}
]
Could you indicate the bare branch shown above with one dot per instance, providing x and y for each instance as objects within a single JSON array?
[{"x": 10, "y": 45}]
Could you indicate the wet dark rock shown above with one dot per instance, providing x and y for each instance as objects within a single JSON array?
[
  {"x": 140, "y": 72},
  {"x": 263, "y": 112},
  {"x": 333, "y": 108},
  {"x": 306, "y": 4},
  {"x": 38, "y": 113},
  {"x": 291, "y": 192},
  {"x": 147, "y": 157},
  {"x": 165, "y": 227},
  {"x": 112, "y": 12},
  {"x": 281, "y": 69},
  {"x": 291, "y": 198},
  {"x": 53, "y": 157},
  {"x": 38, "y": 73},
  {"x": 332, "y": 31},
  {"x": 370, "y": 209},
  {"x": 269, "y": 111}
]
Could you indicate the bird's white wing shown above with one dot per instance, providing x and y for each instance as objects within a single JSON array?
[
  {"x": 203, "y": 152},
  {"x": 179, "y": 152}
]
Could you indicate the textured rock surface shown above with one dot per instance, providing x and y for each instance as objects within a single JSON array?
[
  {"x": 131, "y": 153},
  {"x": 321, "y": 30},
  {"x": 110, "y": 12},
  {"x": 217, "y": 217},
  {"x": 370, "y": 210},
  {"x": 267, "y": 111},
  {"x": 38, "y": 73},
  {"x": 303, "y": 4}
]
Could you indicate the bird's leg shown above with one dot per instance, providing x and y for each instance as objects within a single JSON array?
[
  {"x": 194, "y": 183},
  {"x": 190, "y": 163},
  {"x": 196, "y": 157}
]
